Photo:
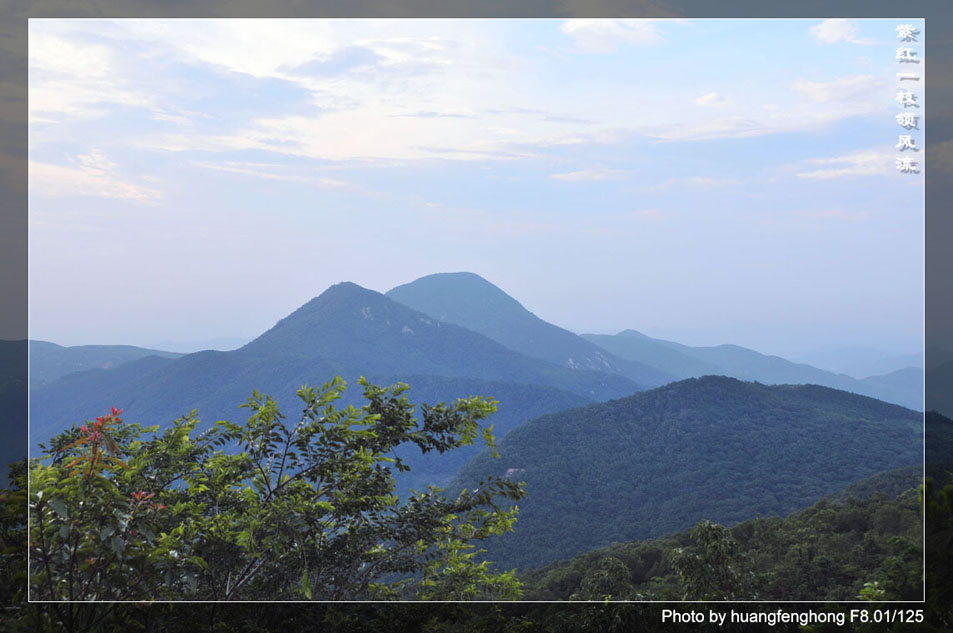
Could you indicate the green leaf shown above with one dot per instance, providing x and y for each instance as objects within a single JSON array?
[
  {"x": 199, "y": 561},
  {"x": 59, "y": 508},
  {"x": 305, "y": 584}
]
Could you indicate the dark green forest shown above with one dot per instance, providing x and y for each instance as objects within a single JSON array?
[
  {"x": 658, "y": 461},
  {"x": 827, "y": 552}
]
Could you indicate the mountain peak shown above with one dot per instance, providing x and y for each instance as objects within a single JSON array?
[
  {"x": 470, "y": 301},
  {"x": 344, "y": 289},
  {"x": 341, "y": 305},
  {"x": 467, "y": 292},
  {"x": 633, "y": 334},
  {"x": 343, "y": 295},
  {"x": 367, "y": 330}
]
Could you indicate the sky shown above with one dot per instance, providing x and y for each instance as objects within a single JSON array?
[{"x": 706, "y": 181}]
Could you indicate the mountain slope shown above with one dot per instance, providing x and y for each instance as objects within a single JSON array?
[
  {"x": 857, "y": 362},
  {"x": 660, "y": 460},
  {"x": 905, "y": 388},
  {"x": 49, "y": 361},
  {"x": 823, "y": 553},
  {"x": 635, "y": 345},
  {"x": 346, "y": 331},
  {"x": 157, "y": 391},
  {"x": 370, "y": 331},
  {"x": 468, "y": 300}
]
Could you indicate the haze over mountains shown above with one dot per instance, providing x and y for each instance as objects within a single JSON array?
[
  {"x": 472, "y": 302},
  {"x": 617, "y": 437},
  {"x": 347, "y": 330},
  {"x": 446, "y": 325},
  {"x": 49, "y": 361},
  {"x": 904, "y": 387},
  {"x": 447, "y": 335},
  {"x": 858, "y": 362}
]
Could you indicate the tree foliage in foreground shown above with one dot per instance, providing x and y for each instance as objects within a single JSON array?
[
  {"x": 600, "y": 578},
  {"x": 266, "y": 510}
]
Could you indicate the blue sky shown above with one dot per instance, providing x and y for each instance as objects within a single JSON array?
[{"x": 708, "y": 181}]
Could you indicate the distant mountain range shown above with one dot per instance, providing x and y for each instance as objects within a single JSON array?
[
  {"x": 447, "y": 335},
  {"x": 660, "y": 460},
  {"x": 859, "y": 362},
  {"x": 472, "y": 302},
  {"x": 903, "y": 387},
  {"x": 220, "y": 344},
  {"x": 49, "y": 361},
  {"x": 477, "y": 306}
]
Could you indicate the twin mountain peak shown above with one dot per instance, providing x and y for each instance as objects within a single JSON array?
[{"x": 433, "y": 321}]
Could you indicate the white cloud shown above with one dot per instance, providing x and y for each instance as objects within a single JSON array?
[
  {"x": 845, "y": 89},
  {"x": 841, "y": 99},
  {"x": 60, "y": 56},
  {"x": 703, "y": 182},
  {"x": 412, "y": 66},
  {"x": 76, "y": 98},
  {"x": 605, "y": 35},
  {"x": 273, "y": 171},
  {"x": 834, "y": 30},
  {"x": 647, "y": 214},
  {"x": 372, "y": 132},
  {"x": 71, "y": 78},
  {"x": 727, "y": 127},
  {"x": 260, "y": 48},
  {"x": 421, "y": 90},
  {"x": 592, "y": 175},
  {"x": 712, "y": 100},
  {"x": 93, "y": 174},
  {"x": 875, "y": 162}
]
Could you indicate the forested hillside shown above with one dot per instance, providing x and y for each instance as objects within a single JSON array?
[
  {"x": 714, "y": 448},
  {"x": 826, "y": 552}
]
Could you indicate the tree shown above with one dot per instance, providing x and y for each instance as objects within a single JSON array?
[
  {"x": 608, "y": 580},
  {"x": 266, "y": 510},
  {"x": 713, "y": 569}
]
